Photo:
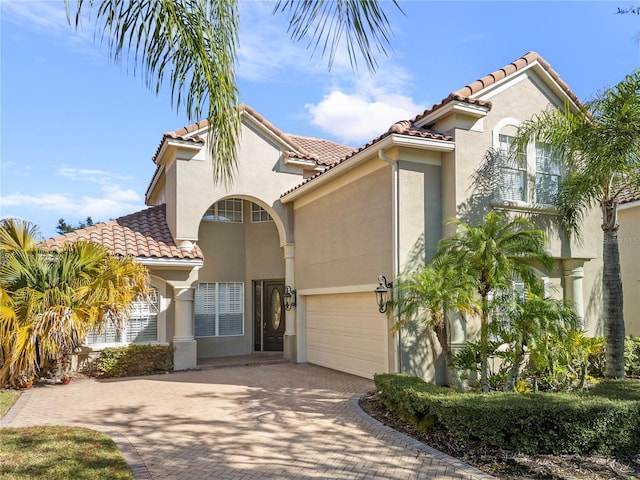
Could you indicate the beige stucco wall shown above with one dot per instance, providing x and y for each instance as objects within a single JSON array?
[
  {"x": 629, "y": 243},
  {"x": 344, "y": 235},
  {"x": 262, "y": 176}
]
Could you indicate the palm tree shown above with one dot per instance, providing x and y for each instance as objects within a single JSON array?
[
  {"x": 494, "y": 253},
  {"x": 600, "y": 145},
  {"x": 50, "y": 300},
  {"x": 533, "y": 321},
  {"x": 428, "y": 294},
  {"x": 193, "y": 43}
]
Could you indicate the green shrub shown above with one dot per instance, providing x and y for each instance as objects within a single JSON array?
[
  {"x": 135, "y": 360},
  {"x": 632, "y": 356},
  {"x": 600, "y": 422}
]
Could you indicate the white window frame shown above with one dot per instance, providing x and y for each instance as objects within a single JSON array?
[
  {"x": 228, "y": 210},
  {"x": 215, "y": 300},
  {"x": 552, "y": 172},
  {"x": 142, "y": 312},
  {"x": 528, "y": 170},
  {"x": 511, "y": 167},
  {"x": 259, "y": 214}
]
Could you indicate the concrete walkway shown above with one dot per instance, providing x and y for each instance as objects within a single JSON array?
[{"x": 282, "y": 421}]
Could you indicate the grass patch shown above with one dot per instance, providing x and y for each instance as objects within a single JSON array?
[
  {"x": 7, "y": 399},
  {"x": 58, "y": 453}
]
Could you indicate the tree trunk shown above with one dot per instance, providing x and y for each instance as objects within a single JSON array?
[
  {"x": 484, "y": 343},
  {"x": 613, "y": 317},
  {"x": 515, "y": 368}
]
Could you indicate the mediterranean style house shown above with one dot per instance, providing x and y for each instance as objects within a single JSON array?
[{"x": 288, "y": 257}]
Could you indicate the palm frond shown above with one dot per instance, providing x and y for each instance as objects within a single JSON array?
[
  {"x": 362, "y": 24},
  {"x": 189, "y": 44}
]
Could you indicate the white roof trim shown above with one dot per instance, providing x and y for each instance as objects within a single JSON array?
[
  {"x": 181, "y": 263},
  {"x": 369, "y": 152},
  {"x": 455, "y": 106},
  {"x": 633, "y": 204}
]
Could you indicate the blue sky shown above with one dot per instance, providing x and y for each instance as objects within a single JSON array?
[{"x": 78, "y": 132}]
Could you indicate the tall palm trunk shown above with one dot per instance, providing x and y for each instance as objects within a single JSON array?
[
  {"x": 515, "y": 367},
  {"x": 484, "y": 342},
  {"x": 612, "y": 292}
]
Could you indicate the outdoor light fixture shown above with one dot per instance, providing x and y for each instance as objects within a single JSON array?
[
  {"x": 382, "y": 293},
  {"x": 289, "y": 297}
]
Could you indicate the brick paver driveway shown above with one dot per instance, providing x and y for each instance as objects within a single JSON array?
[{"x": 280, "y": 421}]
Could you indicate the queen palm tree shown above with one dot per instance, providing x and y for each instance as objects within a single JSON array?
[
  {"x": 50, "y": 300},
  {"x": 193, "y": 43},
  {"x": 600, "y": 145},
  {"x": 428, "y": 294},
  {"x": 494, "y": 253}
]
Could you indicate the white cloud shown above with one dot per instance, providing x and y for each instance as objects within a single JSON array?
[
  {"x": 265, "y": 49},
  {"x": 91, "y": 175},
  {"x": 43, "y": 15},
  {"x": 16, "y": 169},
  {"x": 114, "y": 202},
  {"x": 362, "y": 112}
]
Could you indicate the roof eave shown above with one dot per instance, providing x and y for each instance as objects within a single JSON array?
[
  {"x": 549, "y": 80},
  {"x": 171, "y": 263},
  {"x": 454, "y": 106},
  {"x": 397, "y": 140},
  {"x": 152, "y": 185}
]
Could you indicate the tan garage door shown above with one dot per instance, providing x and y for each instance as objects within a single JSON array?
[{"x": 347, "y": 333}]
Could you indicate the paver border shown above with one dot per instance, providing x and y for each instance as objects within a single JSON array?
[{"x": 459, "y": 465}]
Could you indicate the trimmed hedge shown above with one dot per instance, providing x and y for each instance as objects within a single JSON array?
[
  {"x": 135, "y": 360},
  {"x": 603, "y": 421}
]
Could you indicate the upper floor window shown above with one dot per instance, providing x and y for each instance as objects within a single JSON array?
[
  {"x": 532, "y": 176},
  {"x": 513, "y": 171},
  {"x": 547, "y": 174},
  {"x": 259, "y": 214},
  {"x": 140, "y": 327},
  {"x": 228, "y": 210}
]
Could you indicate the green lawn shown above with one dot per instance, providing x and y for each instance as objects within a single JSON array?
[
  {"x": 58, "y": 453},
  {"x": 7, "y": 399}
]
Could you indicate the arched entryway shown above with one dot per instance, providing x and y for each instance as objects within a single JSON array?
[{"x": 239, "y": 295}]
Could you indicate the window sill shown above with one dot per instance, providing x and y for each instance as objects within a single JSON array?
[{"x": 525, "y": 207}]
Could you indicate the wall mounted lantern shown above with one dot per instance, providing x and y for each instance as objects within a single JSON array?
[
  {"x": 382, "y": 293},
  {"x": 289, "y": 297}
]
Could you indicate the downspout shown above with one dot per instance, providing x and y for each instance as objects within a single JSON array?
[{"x": 395, "y": 192}]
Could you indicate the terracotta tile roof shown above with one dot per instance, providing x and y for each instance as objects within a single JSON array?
[
  {"x": 403, "y": 127},
  {"x": 628, "y": 195},
  {"x": 465, "y": 94},
  {"x": 522, "y": 62},
  {"x": 323, "y": 152},
  {"x": 143, "y": 234}
]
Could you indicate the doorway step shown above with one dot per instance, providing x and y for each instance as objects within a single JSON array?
[{"x": 258, "y": 358}]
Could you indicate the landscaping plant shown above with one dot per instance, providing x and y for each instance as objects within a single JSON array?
[{"x": 49, "y": 300}]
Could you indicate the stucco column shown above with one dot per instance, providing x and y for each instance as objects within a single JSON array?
[
  {"x": 290, "y": 315},
  {"x": 185, "y": 355},
  {"x": 573, "y": 275}
]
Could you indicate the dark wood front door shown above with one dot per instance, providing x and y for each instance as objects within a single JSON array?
[{"x": 269, "y": 315}]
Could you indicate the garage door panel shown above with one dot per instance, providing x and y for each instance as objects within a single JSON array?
[{"x": 345, "y": 333}]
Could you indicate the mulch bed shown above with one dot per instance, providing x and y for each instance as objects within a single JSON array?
[{"x": 509, "y": 465}]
